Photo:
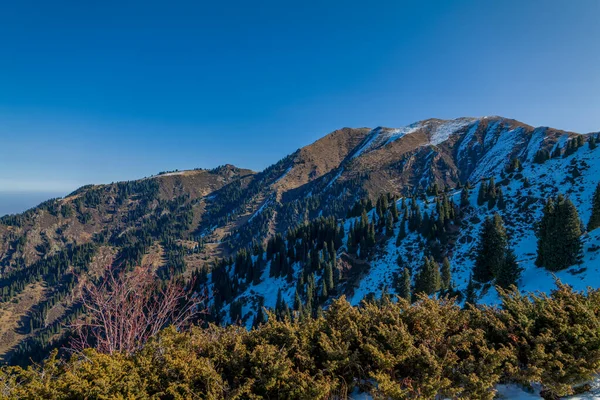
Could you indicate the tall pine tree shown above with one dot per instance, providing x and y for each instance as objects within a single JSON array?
[
  {"x": 428, "y": 278},
  {"x": 559, "y": 235},
  {"x": 594, "y": 221},
  {"x": 509, "y": 272},
  {"x": 404, "y": 289},
  {"x": 491, "y": 250},
  {"x": 446, "y": 276}
]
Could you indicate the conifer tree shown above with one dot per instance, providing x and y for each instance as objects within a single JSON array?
[
  {"x": 470, "y": 295},
  {"x": 389, "y": 224},
  {"x": 491, "y": 250},
  {"x": 492, "y": 194},
  {"x": 260, "y": 318},
  {"x": 371, "y": 235},
  {"x": 559, "y": 235},
  {"x": 404, "y": 289},
  {"x": 514, "y": 165},
  {"x": 541, "y": 156},
  {"x": 592, "y": 142},
  {"x": 446, "y": 275},
  {"x": 297, "y": 301},
  {"x": 402, "y": 231},
  {"x": 482, "y": 194},
  {"x": 557, "y": 152},
  {"x": 428, "y": 278},
  {"x": 279, "y": 303},
  {"x": 464, "y": 198},
  {"x": 501, "y": 200},
  {"x": 324, "y": 292},
  {"x": 394, "y": 210},
  {"x": 509, "y": 272},
  {"x": 328, "y": 276},
  {"x": 594, "y": 221}
]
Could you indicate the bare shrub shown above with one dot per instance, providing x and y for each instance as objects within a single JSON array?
[{"x": 124, "y": 310}]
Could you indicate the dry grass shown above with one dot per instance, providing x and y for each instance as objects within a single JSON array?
[{"x": 12, "y": 312}]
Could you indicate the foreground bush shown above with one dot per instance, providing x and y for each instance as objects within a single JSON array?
[
  {"x": 391, "y": 349},
  {"x": 556, "y": 338}
]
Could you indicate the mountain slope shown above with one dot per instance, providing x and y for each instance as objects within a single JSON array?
[{"x": 200, "y": 222}]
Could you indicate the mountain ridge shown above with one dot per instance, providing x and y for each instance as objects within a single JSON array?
[{"x": 184, "y": 222}]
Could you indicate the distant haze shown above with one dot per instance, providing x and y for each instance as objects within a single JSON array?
[{"x": 14, "y": 203}]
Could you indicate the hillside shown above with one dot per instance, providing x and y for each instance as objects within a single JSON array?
[{"x": 278, "y": 236}]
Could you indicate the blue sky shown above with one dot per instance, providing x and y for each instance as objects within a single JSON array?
[{"x": 94, "y": 92}]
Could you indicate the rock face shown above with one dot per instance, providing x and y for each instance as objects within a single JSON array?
[{"x": 184, "y": 221}]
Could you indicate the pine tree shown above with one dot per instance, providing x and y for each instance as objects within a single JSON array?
[
  {"x": 328, "y": 276},
  {"x": 509, "y": 271},
  {"x": 559, "y": 235},
  {"x": 514, "y": 165},
  {"x": 402, "y": 231},
  {"x": 592, "y": 142},
  {"x": 470, "y": 295},
  {"x": 389, "y": 224},
  {"x": 541, "y": 156},
  {"x": 492, "y": 194},
  {"x": 394, "y": 210},
  {"x": 279, "y": 303},
  {"x": 482, "y": 194},
  {"x": 297, "y": 301},
  {"x": 324, "y": 292},
  {"x": 260, "y": 318},
  {"x": 404, "y": 289},
  {"x": 501, "y": 201},
  {"x": 446, "y": 275},
  {"x": 556, "y": 153},
  {"x": 594, "y": 221},
  {"x": 428, "y": 278},
  {"x": 464, "y": 198},
  {"x": 491, "y": 250}
]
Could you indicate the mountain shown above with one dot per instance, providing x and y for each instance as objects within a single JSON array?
[{"x": 255, "y": 239}]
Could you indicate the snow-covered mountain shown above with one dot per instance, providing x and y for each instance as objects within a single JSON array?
[
  {"x": 450, "y": 154},
  {"x": 193, "y": 222}
]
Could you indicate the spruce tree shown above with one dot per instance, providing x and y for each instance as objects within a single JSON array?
[
  {"x": 592, "y": 142},
  {"x": 428, "y": 278},
  {"x": 464, "y": 198},
  {"x": 261, "y": 317},
  {"x": 491, "y": 250},
  {"x": 324, "y": 292},
  {"x": 446, "y": 275},
  {"x": 541, "y": 156},
  {"x": 509, "y": 272},
  {"x": 559, "y": 235},
  {"x": 404, "y": 289},
  {"x": 279, "y": 303},
  {"x": 402, "y": 231},
  {"x": 328, "y": 276},
  {"x": 470, "y": 295},
  {"x": 394, "y": 210},
  {"x": 389, "y": 224},
  {"x": 594, "y": 221},
  {"x": 501, "y": 201},
  {"x": 556, "y": 153},
  {"x": 482, "y": 194}
]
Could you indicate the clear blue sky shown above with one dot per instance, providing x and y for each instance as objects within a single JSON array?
[{"x": 94, "y": 92}]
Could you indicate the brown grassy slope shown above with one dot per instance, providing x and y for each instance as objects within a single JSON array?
[{"x": 322, "y": 156}]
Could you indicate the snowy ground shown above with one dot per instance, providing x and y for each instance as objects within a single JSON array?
[{"x": 575, "y": 176}]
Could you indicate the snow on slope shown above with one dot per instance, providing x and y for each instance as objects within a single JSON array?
[
  {"x": 380, "y": 137},
  {"x": 524, "y": 207},
  {"x": 575, "y": 176},
  {"x": 442, "y": 132}
]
